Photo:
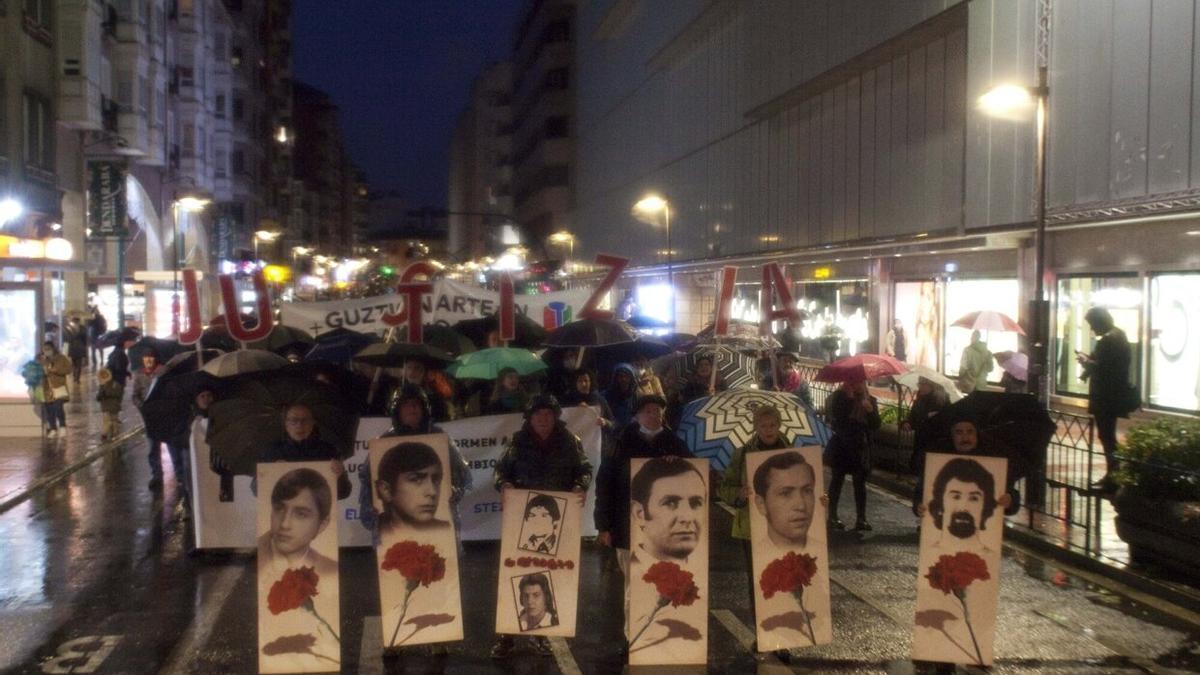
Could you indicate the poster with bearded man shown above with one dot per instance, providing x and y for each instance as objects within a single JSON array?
[
  {"x": 958, "y": 573},
  {"x": 789, "y": 548},
  {"x": 667, "y": 586}
]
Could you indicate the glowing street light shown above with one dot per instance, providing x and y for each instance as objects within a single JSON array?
[
  {"x": 1008, "y": 101},
  {"x": 192, "y": 204},
  {"x": 264, "y": 235},
  {"x": 10, "y": 210},
  {"x": 647, "y": 210},
  {"x": 567, "y": 238}
]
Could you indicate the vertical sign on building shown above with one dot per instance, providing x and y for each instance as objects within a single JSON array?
[{"x": 107, "y": 205}]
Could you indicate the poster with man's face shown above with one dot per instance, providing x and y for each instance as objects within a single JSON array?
[
  {"x": 538, "y": 589},
  {"x": 667, "y": 586},
  {"x": 958, "y": 573},
  {"x": 789, "y": 548},
  {"x": 298, "y": 619},
  {"x": 417, "y": 556}
]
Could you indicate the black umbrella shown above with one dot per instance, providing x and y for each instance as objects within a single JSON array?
[
  {"x": 341, "y": 347},
  {"x": 394, "y": 354},
  {"x": 165, "y": 349},
  {"x": 247, "y": 419},
  {"x": 167, "y": 410},
  {"x": 284, "y": 339},
  {"x": 641, "y": 322},
  {"x": 606, "y": 358},
  {"x": 448, "y": 340},
  {"x": 114, "y": 337},
  {"x": 1012, "y": 425},
  {"x": 528, "y": 333},
  {"x": 218, "y": 339},
  {"x": 591, "y": 333}
]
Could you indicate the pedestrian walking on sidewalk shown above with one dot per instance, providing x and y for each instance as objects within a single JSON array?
[
  {"x": 77, "y": 351},
  {"x": 57, "y": 367},
  {"x": 143, "y": 378},
  {"x": 118, "y": 364},
  {"x": 854, "y": 418},
  {"x": 110, "y": 394},
  {"x": 97, "y": 325}
]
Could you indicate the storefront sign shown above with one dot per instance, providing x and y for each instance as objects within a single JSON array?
[
  {"x": 822, "y": 273},
  {"x": 106, "y": 192}
]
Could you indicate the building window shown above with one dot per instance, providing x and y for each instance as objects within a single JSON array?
[
  {"x": 187, "y": 76},
  {"x": 220, "y": 163},
  {"x": 160, "y": 109},
  {"x": 239, "y": 162},
  {"x": 235, "y": 57},
  {"x": 37, "y": 12},
  {"x": 219, "y": 108},
  {"x": 188, "y": 140},
  {"x": 144, "y": 95},
  {"x": 219, "y": 47},
  {"x": 1174, "y": 357},
  {"x": 1120, "y": 295},
  {"x": 239, "y": 108},
  {"x": 39, "y": 129}
]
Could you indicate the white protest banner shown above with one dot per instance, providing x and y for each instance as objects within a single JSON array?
[
  {"x": 538, "y": 590},
  {"x": 482, "y": 440},
  {"x": 958, "y": 570},
  {"x": 450, "y": 303},
  {"x": 224, "y": 505}
]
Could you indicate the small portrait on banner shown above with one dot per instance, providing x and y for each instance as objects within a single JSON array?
[
  {"x": 298, "y": 608},
  {"x": 542, "y": 523},
  {"x": 534, "y": 596}
]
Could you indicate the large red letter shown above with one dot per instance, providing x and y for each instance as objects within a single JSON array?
[
  {"x": 775, "y": 285},
  {"x": 233, "y": 318},
  {"x": 191, "y": 297},
  {"x": 508, "y": 319},
  {"x": 618, "y": 265},
  {"x": 724, "y": 300},
  {"x": 411, "y": 312}
]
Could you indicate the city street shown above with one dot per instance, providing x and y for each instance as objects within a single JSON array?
[{"x": 95, "y": 576}]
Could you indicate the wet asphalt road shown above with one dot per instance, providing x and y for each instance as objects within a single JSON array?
[{"x": 95, "y": 577}]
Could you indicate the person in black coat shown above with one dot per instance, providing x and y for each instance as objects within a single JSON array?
[
  {"x": 1110, "y": 395},
  {"x": 585, "y": 393},
  {"x": 302, "y": 443},
  {"x": 853, "y": 417},
  {"x": 930, "y": 400},
  {"x": 646, "y": 436},
  {"x": 118, "y": 364}
]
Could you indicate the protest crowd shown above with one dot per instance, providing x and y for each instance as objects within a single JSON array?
[{"x": 224, "y": 400}]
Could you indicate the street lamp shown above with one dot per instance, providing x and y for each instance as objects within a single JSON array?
[
  {"x": 646, "y": 210},
  {"x": 1014, "y": 102},
  {"x": 263, "y": 235},
  {"x": 187, "y": 204},
  {"x": 567, "y": 238},
  {"x": 10, "y": 210}
]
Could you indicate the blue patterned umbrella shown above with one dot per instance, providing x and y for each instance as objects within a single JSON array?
[{"x": 715, "y": 426}]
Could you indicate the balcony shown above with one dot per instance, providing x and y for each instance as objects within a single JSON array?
[
  {"x": 135, "y": 129},
  {"x": 79, "y": 103}
]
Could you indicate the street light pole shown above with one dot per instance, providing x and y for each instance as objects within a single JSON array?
[
  {"x": 670, "y": 259},
  {"x": 1039, "y": 384}
]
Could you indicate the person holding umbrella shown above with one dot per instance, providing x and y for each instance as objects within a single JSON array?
[
  {"x": 508, "y": 396},
  {"x": 302, "y": 443},
  {"x": 930, "y": 400},
  {"x": 143, "y": 379},
  {"x": 416, "y": 373},
  {"x": 975, "y": 364},
  {"x": 542, "y": 455},
  {"x": 854, "y": 417},
  {"x": 964, "y": 440}
]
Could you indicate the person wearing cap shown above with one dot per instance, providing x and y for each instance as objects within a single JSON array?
[
  {"x": 542, "y": 455},
  {"x": 645, "y": 437},
  {"x": 109, "y": 394}
]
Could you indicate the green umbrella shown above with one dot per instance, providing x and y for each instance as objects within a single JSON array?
[{"x": 486, "y": 364}]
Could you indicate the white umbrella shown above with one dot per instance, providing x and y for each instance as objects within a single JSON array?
[
  {"x": 244, "y": 361},
  {"x": 915, "y": 373}
]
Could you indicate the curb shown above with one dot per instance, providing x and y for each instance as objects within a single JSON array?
[
  {"x": 49, "y": 479},
  {"x": 1026, "y": 540}
]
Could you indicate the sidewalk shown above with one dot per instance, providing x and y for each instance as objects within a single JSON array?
[{"x": 29, "y": 462}]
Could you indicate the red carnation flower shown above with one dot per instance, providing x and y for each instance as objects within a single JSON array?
[
  {"x": 673, "y": 584},
  {"x": 789, "y": 574},
  {"x": 417, "y": 563},
  {"x": 293, "y": 590},
  {"x": 953, "y": 573}
]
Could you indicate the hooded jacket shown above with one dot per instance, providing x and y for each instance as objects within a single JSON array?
[
  {"x": 622, "y": 402},
  {"x": 558, "y": 463},
  {"x": 612, "y": 482}
]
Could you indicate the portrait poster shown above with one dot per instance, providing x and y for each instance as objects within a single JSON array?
[
  {"x": 225, "y": 505},
  {"x": 481, "y": 441},
  {"x": 417, "y": 554},
  {"x": 538, "y": 589},
  {"x": 789, "y": 548},
  {"x": 958, "y": 571},
  {"x": 298, "y": 608},
  {"x": 667, "y": 586}
]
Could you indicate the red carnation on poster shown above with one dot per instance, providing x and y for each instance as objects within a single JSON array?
[
  {"x": 953, "y": 574},
  {"x": 790, "y": 574},
  {"x": 295, "y": 590},
  {"x": 675, "y": 587},
  {"x": 419, "y": 564}
]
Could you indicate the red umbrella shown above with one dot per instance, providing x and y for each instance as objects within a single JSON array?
[
  {"x": 987, "y": 320},
  {"x": 861, "y": 367}
]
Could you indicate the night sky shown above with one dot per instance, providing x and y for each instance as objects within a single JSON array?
[{"x": 401, "y": 73}]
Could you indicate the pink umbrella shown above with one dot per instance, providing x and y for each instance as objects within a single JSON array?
[
  {"x": 987, "y": 320},
  {"x": 1015, "y": 364},
  {"x": 861, "y": 367}
]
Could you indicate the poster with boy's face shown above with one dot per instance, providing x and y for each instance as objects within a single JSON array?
[
  {"x": 538, "y": 589},
  {"x": 667, "y": 586},
  {"x": 789, "y": 548},
  {"x": 298, "y": 619},
  {"x": 958, "y": 572},
  {"x": 417, "y": 556}
]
